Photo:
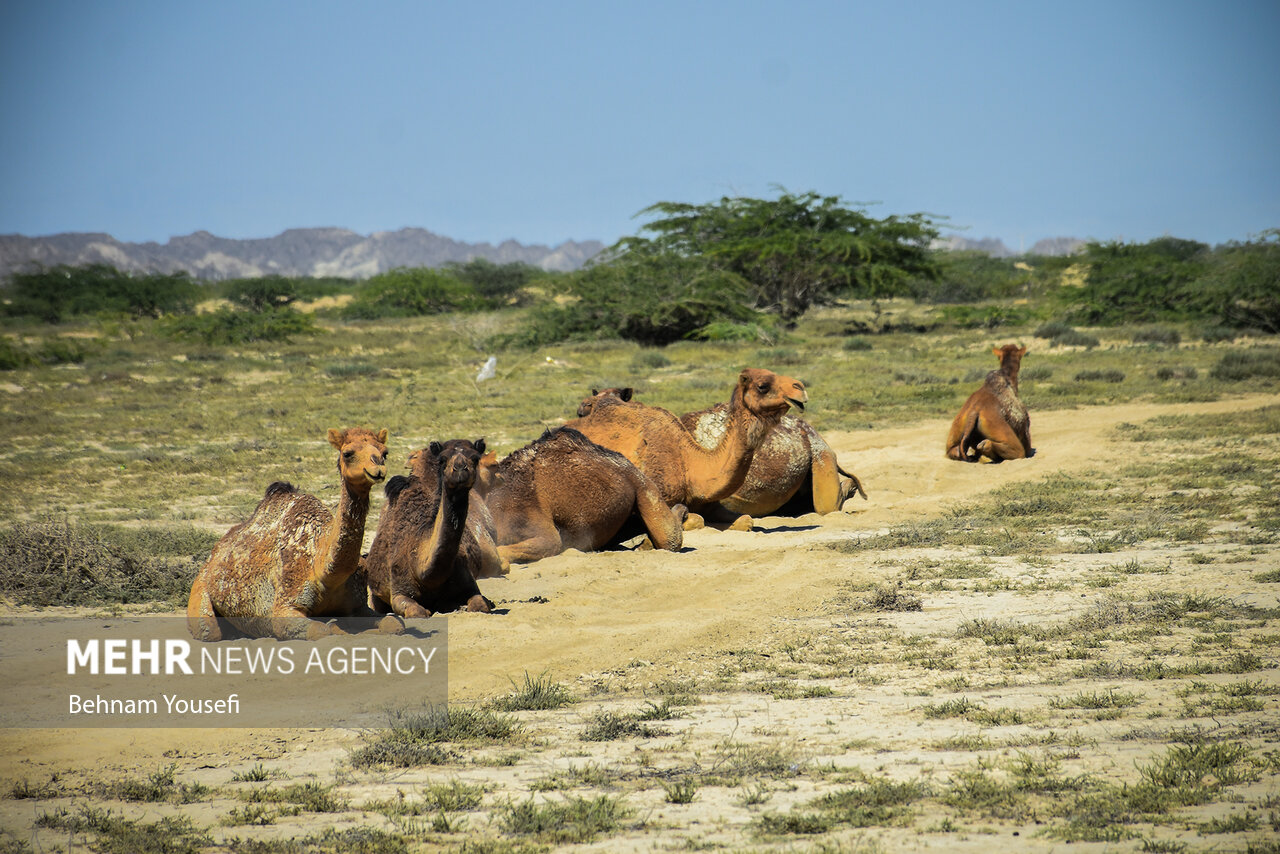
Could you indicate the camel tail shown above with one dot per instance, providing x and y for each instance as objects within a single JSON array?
[{"x": 857, "y": 484}]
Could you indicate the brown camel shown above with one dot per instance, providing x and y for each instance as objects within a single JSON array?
[
  {"x": 292, "y": 561},
  {"x": 684, "y": 471},
  {"x": 422, "y": 556},
  {"x": 563, "y": 491},
  {"x": 793, "y": 473},
  {"x": 479, "y": 546},
  {"x": 993, "y": 422}
]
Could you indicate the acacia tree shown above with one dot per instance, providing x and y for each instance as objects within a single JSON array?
[{"x": 796, "y": 251}]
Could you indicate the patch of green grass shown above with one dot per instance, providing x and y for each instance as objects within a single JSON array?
[
  {"x": 308, "y": 797},
  {"x": 412, "y": 739},
  {"x": 610, "y": 726},
  {"x": 1109, "y": 699},
  {"x": 538, "y": 692},
  {"x": 1253, "y": 363},
  {"x": 115, "y": 834},
  {"x": 681, "y": 791},
  {"x": 160, "y": 786},
  {"x": 1110, "y": 375},
  {"x": 574, "y": 820}
]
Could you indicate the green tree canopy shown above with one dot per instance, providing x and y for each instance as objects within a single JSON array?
[{"x": 795, "y": 251}]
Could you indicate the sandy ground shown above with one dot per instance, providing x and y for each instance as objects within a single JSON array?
[{"x": 609, "y": 610}]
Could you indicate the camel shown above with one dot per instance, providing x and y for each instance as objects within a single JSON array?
[
  {"x": 793, "y": 473},
  {"x": 293, "y": 562},
  {"x": 993, "y": 422},
  {"x": 479, "y": 543},
  {"x": 684, "y": 471},
  {"x": 563, "y": 491},
  {"x": 424, "y": 556}
]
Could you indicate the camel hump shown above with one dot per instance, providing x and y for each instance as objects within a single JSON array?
[
  {"x": 280, "y": 487},
  {"x": 394, "y": 487}
]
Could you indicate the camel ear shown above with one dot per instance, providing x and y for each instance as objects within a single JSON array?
[
  {"x": 478, "y": 444},
  {"x": 489, "y": 459},
  {"x": 382, "y": 436},
  {"x": 626, "y": 393},
  {"x": 998, "y": 351},
  {"x": 436, "y": 448},
  {"x": 1022, "y": 351},
  {"x": 594, "y": 392},
  {"x": 336, "y": 437}
]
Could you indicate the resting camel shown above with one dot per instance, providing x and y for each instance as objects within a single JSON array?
[
  {"x": 563, "y": 491},
  {"x": 793, "y": 472},
  {"x": 423, "y": 554},
  {"x": 293, "y": 562},
  {"x": 479, "y": 545},
  {"x": 993, "y": 422},
  {"x": 684, "y": 471}
]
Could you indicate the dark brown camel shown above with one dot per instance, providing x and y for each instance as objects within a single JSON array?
[{"x": 416, "y": 564}]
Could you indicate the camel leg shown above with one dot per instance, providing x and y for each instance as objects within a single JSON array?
[
  {"x": 293, "y": 624},
  {"x": 202, "y": 622},
  {"x": 407, "y": 607},
  {"x": 828, "y": 495},
  {"x": 663, "y": 523}
]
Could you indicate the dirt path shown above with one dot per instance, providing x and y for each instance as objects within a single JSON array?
[{"x": 605, "y": 611}]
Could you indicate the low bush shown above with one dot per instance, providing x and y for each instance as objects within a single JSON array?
[
  {"x": 1238, "y": 365},
  {"x": 56, "y": 293},
  {"x": 226, "y": 326},
  {"x": 1158, "y": 335},
  {"x": 412, "y": 292}
]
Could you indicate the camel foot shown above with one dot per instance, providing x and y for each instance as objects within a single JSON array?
[
  {"x": 480, "y": 604},
  {"x": 645, "y": 545},
  {"x": 693, "y": 522},
  {"x": 413, "y": 611},
  {"x": 742, "y": 523},
  {"x": 390, "y": 625}
]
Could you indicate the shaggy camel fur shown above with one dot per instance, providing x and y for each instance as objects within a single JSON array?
[
  {"x": 294, "y": 561},
  {"x": 565, "y": 492},
  {"x": 685, "y": 472},
  {"x": 422, "y": 558},
  {"x": 793, "y": 473},
  {"x": 993, "y": 422}
]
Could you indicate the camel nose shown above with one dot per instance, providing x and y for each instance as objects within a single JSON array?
[{"x": 376, "y": 473}]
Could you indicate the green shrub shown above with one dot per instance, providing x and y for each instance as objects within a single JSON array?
[
  {"x": 56, "y": 293},
  {"x": 1239, "y": 365},
  {"x": 1139, "y": 282},
  {"x": 226, "y": 326},
  {"x": 1158, "y": 335},
  {"x": 652, "y": 299},
  {"x": 1062, "y": 335},
  {"x": 1242, "y": 284},
  {"x": 1106, "y": 376},
  {"x": 856, "y": 343},
  {"x": 497, "y": 284},
  {"x": 984, "y": 317},
  {"x": 969, "y": 276},
  {"x": 51, "y": 351},
  {"x": 412, "y": 292}
]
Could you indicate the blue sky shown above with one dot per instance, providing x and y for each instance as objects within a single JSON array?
[{"x": 550, "y": 121}]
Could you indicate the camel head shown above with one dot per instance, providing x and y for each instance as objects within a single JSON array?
[
  {"x": 585, "y": 408},
  {"x": 458, "y": 461},
  {"x": 1010, "y": 356},
  {"x": 487, "y": 474},
  {"x": 362, "y": 456},
  {"x": 768, "y": 395}
]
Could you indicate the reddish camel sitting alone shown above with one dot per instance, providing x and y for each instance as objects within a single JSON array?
[
  {"x": 993, "y": 422},
  {"x": 684, "y": 471},
  {"x": 424, "y": 557},
  {"x": 793, "y": 472},
  {"x": 293, "y": 562},
  {"x": 563, "y": 491}
]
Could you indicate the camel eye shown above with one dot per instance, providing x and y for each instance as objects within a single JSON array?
[{"x": 348, "y": 455}]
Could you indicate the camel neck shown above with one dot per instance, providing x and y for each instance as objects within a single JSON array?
[
  {"x": 731, "y": 457},
  {"x": 339, "y": 553},
  {"x": 446, "y": 532}
]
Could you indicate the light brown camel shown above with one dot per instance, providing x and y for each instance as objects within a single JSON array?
[
  {"x": 993, "y": 422},
  {"x": 422, "y": 555},
  {"x": 563, "y": 491},
  {"x": 293, "y": 562},
  {"x": 793, "y": 473},
  {"x": 684, "y": 471}
]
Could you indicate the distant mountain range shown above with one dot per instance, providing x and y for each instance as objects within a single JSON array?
[
  {"x": 339, "y": 252},
  {"x": 296, "y": 252},
  {"x": 995, "y": 247}
]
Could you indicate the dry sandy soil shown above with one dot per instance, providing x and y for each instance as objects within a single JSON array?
[{"x": 618, "y": 620}]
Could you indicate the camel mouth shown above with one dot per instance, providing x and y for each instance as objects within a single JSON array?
[
  {"x": 375, "y": 476},
  {"x": 796, "y": 402}
]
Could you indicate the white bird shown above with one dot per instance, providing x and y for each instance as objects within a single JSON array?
[{"x": 489, "y": 371}]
